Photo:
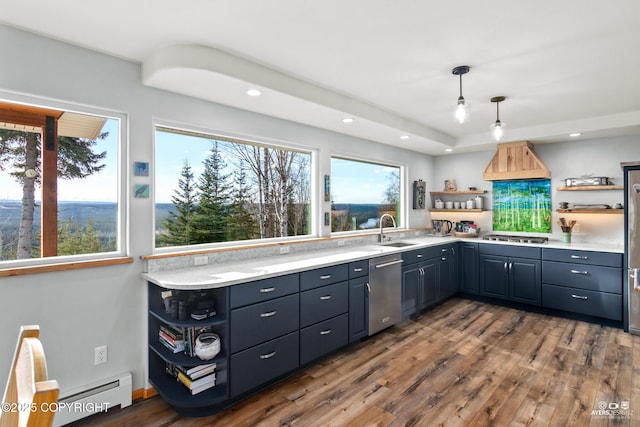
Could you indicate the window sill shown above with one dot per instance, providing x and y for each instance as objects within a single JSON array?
[{"x": 77, "y": 265}]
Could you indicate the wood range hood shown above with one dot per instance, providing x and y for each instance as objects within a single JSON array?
[{"x": 515, "y": 160}]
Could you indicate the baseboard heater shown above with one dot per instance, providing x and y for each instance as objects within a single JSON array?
[{"x": 94, "y": 398}]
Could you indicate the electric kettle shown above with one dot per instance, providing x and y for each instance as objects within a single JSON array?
[{"x": 442, "y": 226}]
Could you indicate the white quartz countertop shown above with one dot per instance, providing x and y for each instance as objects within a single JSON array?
[{"x": 220, "y": 275}]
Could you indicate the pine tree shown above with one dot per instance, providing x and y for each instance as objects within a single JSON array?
[
  {"x": 212, "y": 212},
  {"x": 74, "y": 240},
  {"x": 20, "y": 151},
  {"x": 242, "y": 224},
  {"x": 178, "y": 227}
]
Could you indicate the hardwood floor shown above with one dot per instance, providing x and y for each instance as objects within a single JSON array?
[{"x": 464, "y": 363}]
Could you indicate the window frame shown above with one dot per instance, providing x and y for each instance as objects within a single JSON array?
[
  {"x": 403, "y": 204},
  {"x": 118, "y": 256},
  {"x": 195, "y": 130}
]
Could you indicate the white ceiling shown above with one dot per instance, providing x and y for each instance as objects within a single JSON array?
[{"x": 564, "y": 66}]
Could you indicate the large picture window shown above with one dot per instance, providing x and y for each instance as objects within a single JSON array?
[
  {"x": 361, "y": 192},
  {"x": 212, "y": 189},
  {"x": 58, "y": 183}
]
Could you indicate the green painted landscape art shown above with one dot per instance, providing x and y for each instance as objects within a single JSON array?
[{"x": 522, "y": 205}]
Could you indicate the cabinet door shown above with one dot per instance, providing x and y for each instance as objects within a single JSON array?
[
  {"x": 411, "y": 279},
  {"x": 469, "y": 268},
  {"x": 429, "y": 285},
  {"x": 493, "y": 276},
  {"x": 358, "y": 308},
  {"x": 525, "y": 280},
  {"x": 447, "y": 275}
]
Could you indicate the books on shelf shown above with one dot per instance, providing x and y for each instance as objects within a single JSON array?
[
  {"x": 197, "y": 385},
  {"x": 196, "y": 372},
  {"x": 172, "y": 338}
]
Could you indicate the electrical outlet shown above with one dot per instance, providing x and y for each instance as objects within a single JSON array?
[
  {"x": 284, "y": 250},
  {"x": 201, "y": 260},
  {"x": 341, "y": 242},
  {"x": 100, "y": 355}
]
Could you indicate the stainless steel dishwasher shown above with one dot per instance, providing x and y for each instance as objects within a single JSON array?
[{"x": 385, "y": 292}]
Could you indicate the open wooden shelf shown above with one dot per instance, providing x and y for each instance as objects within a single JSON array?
[
  {"x": 455, "y": 210},
  {"x": 591, "y": 188},
  {"x": 594, "y": 211},
  {"x": 460, "y": 192}
]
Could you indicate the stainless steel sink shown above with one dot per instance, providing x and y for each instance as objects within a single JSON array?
[{"x": 398, "y": 244}]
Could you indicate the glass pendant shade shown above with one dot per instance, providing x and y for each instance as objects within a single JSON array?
[
  {"x": 497, "y": 130},
  {"x": 462, "y": 110}
]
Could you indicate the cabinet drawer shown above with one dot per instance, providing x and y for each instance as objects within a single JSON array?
[
  {"x": 323, "y": 276},
  {"x": 510, "y": 250},
  {"x": 411, "y": 257},
  {"x": 358, "y": 268},
  {"x": 262, "y": 290},
  {"x": 322, "y": 303},
  {"x": 261, "y": 322},
  {"x": 581, "y": 301},
  {"x": 607, "y": 259},
  {"x": 323, "y": 338},
  {"x": 260, "y": 364},
  {"x": 590, "y": 277}
]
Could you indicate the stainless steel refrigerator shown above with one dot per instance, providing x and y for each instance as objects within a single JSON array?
[{"x": 632, "y": 243}]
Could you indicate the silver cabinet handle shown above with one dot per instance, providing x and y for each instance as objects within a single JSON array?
[
  {"x": 453, "y": 251},
  {"x": 357, "y": 270},
  {"x": 268, "y": 355},
  {"x": 444, "y": 258},
  {"x": 505, "y": 266},
  {"x": 325, "y": 277},
  {"x": 368, "y": 288},
  {"x": 326, "y": 297},
  {"x": 443, "y": 250},
  {"x": 268, "y": 314},
  {"x": 586, "y": 273},
  {"x": 327, "y": 332},
  {"x": 419, "y": 256},
  {"x": 267, "y": 290},
  {"x": 579, "y": 257},
  {"x": 579, "y": 297},
  {"x": 510, "y": 266}
]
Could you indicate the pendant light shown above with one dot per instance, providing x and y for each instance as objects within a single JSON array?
[
  {"x": 497, "y": 128},
  {"x": 462, "y": 108}
]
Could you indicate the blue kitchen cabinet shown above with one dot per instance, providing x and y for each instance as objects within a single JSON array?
[
  {"x": 358, "y": 300},
  {"x": 583, "y": 282},
  {"x": 510, "y": 273},
  {"x": 429, "y": 276},
  {"x": 468, "y": 272}
]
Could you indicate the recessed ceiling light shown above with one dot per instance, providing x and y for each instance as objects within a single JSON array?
[
  {"x": 448, "y": 150},
  {"x": 254, "y": 92},
  {"x": 404, "y": 137},
  {"x": 575, "y": 134},
  {"x": 347, "y": 120}
]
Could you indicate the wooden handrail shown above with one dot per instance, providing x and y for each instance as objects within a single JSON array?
[{"x": 29, "y": 395}]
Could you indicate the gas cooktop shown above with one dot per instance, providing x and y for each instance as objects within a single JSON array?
[{"x": 519, "y": 239}]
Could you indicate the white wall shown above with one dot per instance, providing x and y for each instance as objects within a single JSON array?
[
  {"x": 79, "y": 310},
  {"x": 597, "y": 157}
]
